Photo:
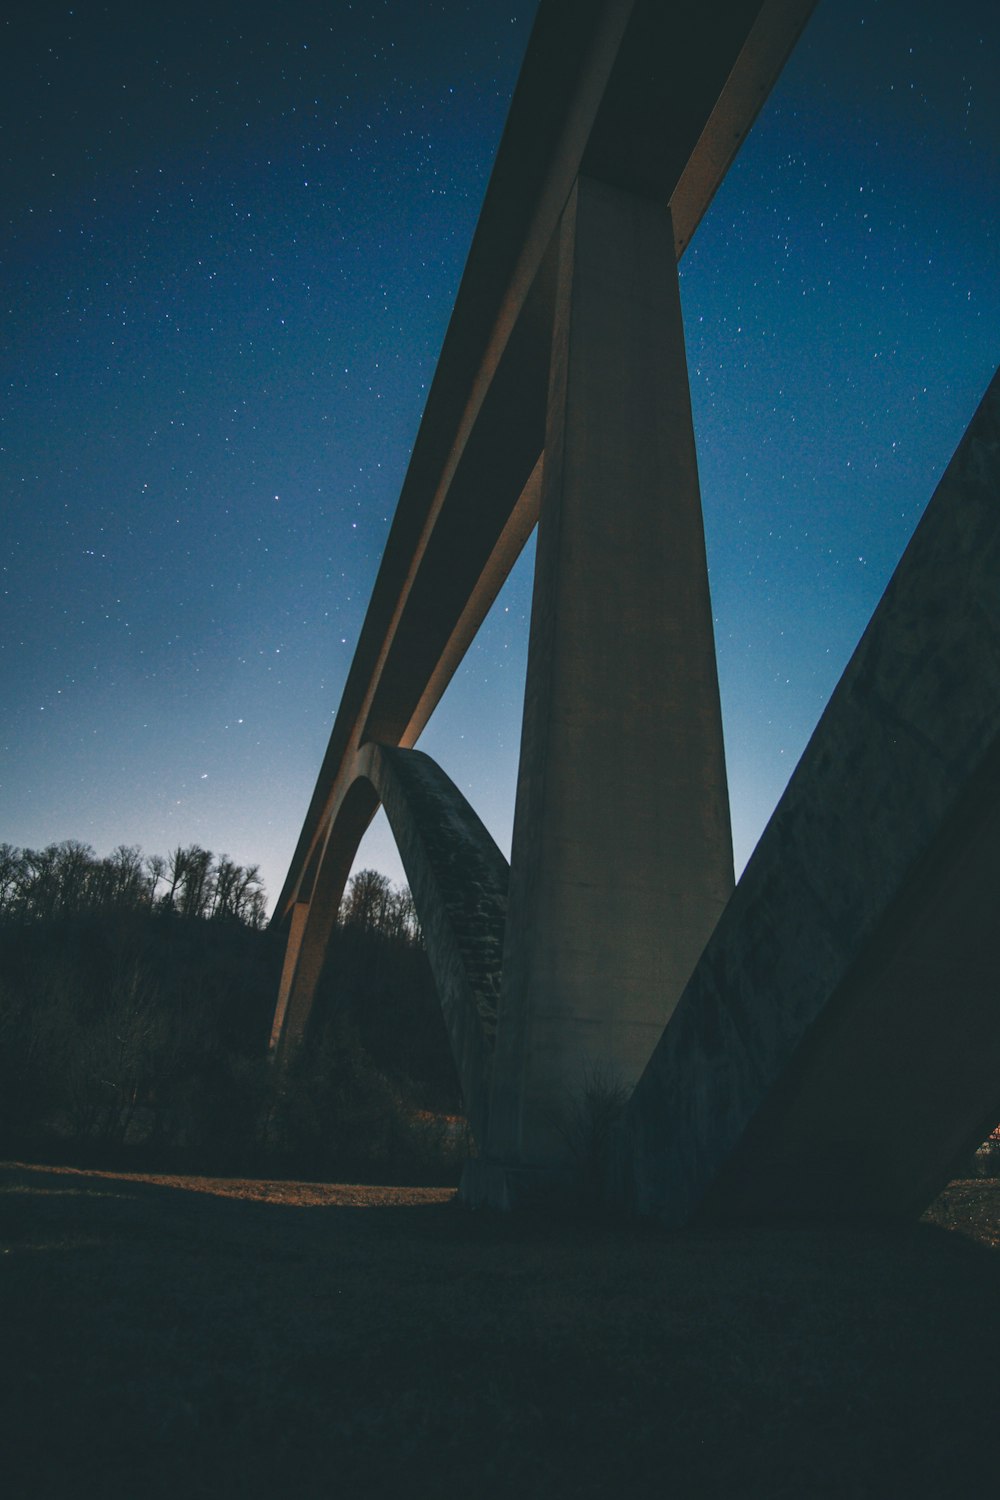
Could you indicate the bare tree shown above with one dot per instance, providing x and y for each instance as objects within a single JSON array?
[
  {"x": 121, "y": 878},
  {"x": 174, "y": 873},
  {"x": 366, "y": 901},
  {"x": 196, "y": 882},
  {"x": 64, "y": 879},
  {"x": 156, "y": 869},
  {"x": 12, "y": 873}
]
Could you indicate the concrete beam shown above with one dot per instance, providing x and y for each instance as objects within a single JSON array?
[
  {"x": 608, "y": 82},
  {"x": 837, "y": 1049},
  {"x": 313, "y": 918}
]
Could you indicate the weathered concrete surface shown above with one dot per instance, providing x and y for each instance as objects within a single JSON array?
[
  {"x": 622, "y": 855},
  {"x": 838, "y": 1046},
  {"x": 458, "y": 879}
]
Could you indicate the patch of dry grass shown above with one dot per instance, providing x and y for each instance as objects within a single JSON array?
[{"x": 194, "y": 1337}]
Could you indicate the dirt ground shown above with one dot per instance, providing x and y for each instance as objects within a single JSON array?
[{"x": 168, "y": 1336}]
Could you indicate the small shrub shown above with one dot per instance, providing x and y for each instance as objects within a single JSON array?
[
  {"x": 587, "y": 1126},
  {"x": 986, "y": 1160}
]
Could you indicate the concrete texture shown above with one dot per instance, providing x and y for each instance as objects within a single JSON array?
[
  {"x": 838, "y": 1047},
  {"x": 458, "y": 879},
  {"x": 622, "y": 857}
]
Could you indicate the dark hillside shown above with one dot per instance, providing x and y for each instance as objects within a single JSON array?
[{"x": 136, "y": 998}]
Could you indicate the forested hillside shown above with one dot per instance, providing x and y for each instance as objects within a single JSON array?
[{"x": 136, "y": 996}]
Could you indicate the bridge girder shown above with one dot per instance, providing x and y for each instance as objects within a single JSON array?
[{"x": 654, "y": 99}]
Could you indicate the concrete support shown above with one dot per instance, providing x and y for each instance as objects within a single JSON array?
[
  {"x": 296, "y": 932},
  {"x": 837, "y": 1050},
  {"x": 458, "y": 879},
  {"x": 622, "y": 856},
  {"x": 314, "y": 918}
]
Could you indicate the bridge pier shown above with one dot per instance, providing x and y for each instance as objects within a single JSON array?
[{"x": 622, "y": 853}]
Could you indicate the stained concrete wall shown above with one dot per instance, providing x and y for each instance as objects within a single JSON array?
[{"x": 838, "y": 1046}]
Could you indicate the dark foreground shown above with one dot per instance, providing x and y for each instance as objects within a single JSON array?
[{"x": 179, "y": 1337}]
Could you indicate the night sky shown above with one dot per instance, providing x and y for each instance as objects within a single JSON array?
[{"x": 231, "y": 239}]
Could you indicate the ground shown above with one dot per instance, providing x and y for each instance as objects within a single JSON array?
[{"x": 167, "y": 1336}]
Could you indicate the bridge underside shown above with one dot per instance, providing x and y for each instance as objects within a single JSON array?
[{"x": 844, "y": 994}]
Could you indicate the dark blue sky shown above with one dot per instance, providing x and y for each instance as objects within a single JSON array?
[{"x": 230, "y": 238}]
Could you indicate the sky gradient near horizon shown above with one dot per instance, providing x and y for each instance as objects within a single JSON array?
[{"x": 230, "y": 240}]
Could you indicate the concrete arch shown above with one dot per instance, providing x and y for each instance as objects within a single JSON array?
[
  {"x": 313, "y": 916},
  {"x": 458, "y": 878}
]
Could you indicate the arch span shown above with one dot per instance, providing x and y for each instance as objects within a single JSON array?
[{"x": 458, "y": 878}]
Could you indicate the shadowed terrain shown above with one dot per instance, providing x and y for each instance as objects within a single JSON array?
[{"x": 190, "y": 1336}]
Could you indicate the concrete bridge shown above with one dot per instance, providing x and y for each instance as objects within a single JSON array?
[{"x": 847, "y": 983}]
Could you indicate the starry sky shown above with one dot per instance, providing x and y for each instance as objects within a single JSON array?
[{"x": 230, "y": 240}]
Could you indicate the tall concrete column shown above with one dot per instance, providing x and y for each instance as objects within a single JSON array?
[{"x": 622, "y": 852}]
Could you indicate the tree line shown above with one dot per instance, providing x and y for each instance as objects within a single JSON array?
[
  {"x": 67, "y": 879},
  {"x": 136, "y": 997}
]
